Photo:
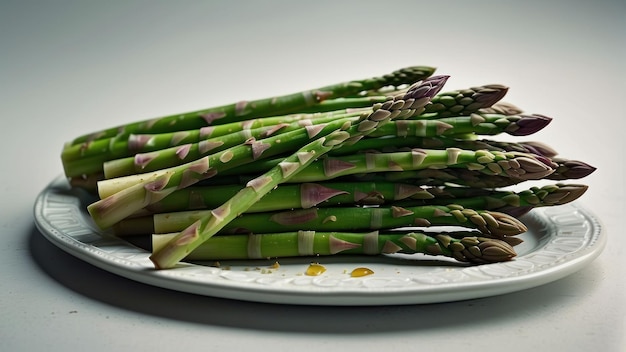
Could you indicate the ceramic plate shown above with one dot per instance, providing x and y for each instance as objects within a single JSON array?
[{"x": 560, "y": 241}]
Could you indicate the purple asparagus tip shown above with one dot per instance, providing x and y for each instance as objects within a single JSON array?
[
  {"x": 571, "y": 169},
  {"x": 529, "y": 124},
  {"x": 428, "y": 87},
  {"x": 491, "y": 94}
]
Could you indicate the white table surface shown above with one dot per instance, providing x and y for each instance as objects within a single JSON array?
[{"x": 71, "y": 67}]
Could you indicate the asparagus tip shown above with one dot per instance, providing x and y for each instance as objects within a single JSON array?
[{"x": 529, "y": 124}]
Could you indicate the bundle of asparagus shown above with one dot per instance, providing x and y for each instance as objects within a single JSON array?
[{"x": 373, "y": 166}]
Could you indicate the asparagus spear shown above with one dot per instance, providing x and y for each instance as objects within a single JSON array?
[
  {"x": 470, "y": 248},
  {"x": 482, "y": 124},
  {"x": 191, "y": 237},
  {"x": 486, "y": 125},
  {"x": 490, "y": 223},
  {"x": 385, "y": 144},
  {"x": 445, "y": 104},
  {"x": 87, "y": 158},
  {"x": 465, "y": 101},
  {"x": 328, "y": 194},
  {"x": 263, "y": 107}
]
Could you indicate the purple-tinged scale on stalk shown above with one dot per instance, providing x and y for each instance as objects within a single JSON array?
[
  {"x": 240, "y": 108},
  {"x": 183, "y": 151},
  {"x": 311, "y": 194},
  {"x": 421, "y": 222},
  {"x": 221, "y": 212},
  {"x": 259, "y": 182},
  {"x": 157, "y": 189},
  {"x": 287, "y": 168},
  {"x": 398, "y": 212},
  {"x": 390, "y": 248},
  {"x": 188, "y": 235},
  {"x": 314, "y": 130},
  {"x": 476, "y": 119},
  {"x": 211, "y": 117},
  {"x": 206, "y": 146},
  {"x": 409, "y": 241},
  {"x": 294, "y": 217},
  {"x": 418, "y": 156},
  {"x": 305, "y": 122},
  {"x": 137, "y": 142},
  {"x": 321, "y": 95},
  {"x": 528, "y": 124},
  {"x": 258, "y": 147},
  {"x": 197, "y": 170},
  {"x": 441, "y": 127},
  {"x": 178, "y": 137},
  {"x": 143, "y": 159},
  {"x": 334, "y": 166},
  {"x": 273, "y": 129},
  {"x": 206, "y": 132},
  {"x": 336, "y": 245},
  {"x": 440, "y": 213},
  {"x": 405, "y": 190},
  {"x": 305, "y": 157},
  {"x": 394, "y": 166}
]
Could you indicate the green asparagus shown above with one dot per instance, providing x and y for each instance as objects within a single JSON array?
[
  {"x": 264, "y": 107},
  {"x": 470, "y": 248},
  {"x": 404, "y": 106}
]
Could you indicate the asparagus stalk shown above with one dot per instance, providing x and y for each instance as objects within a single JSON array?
[
  {"x": 330, "y": 194},
  {"x": 87, "y": 158},
  {"x": 291, "y": 134},
  {"x": 515, "y": 166},
  {"x": 385, "y": 144},
  {"x": 470, "y": 248},
  {"x": 260, "y": 108},
  {"x": 164, "y": 150},
  {"x": 486, "y": 125},
  {"x": 445, "y": 104},
  {"x": 191, "y": 237},
  {"x": 490, "y": 223},
  {"x": 482, "y": 124}
]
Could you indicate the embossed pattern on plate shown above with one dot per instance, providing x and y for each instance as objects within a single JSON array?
[{"x": 560, "y": 241}]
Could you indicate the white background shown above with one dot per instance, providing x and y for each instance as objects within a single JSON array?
[{"x": 72, "y": 67}]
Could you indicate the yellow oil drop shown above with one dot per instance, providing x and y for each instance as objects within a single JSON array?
[
  {"x": 360, "y": 272},
  {"x": 315, "y": 269}
]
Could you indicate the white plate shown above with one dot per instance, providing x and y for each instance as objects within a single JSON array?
[{"x": 560, "y": 241}]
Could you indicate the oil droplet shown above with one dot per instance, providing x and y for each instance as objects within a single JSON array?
[
  {"x": 315, "y": 269},
  {"x": 359, "y": 272}
]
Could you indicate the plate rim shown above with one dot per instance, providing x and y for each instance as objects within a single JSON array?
[{"x": 332, "y": 296}]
